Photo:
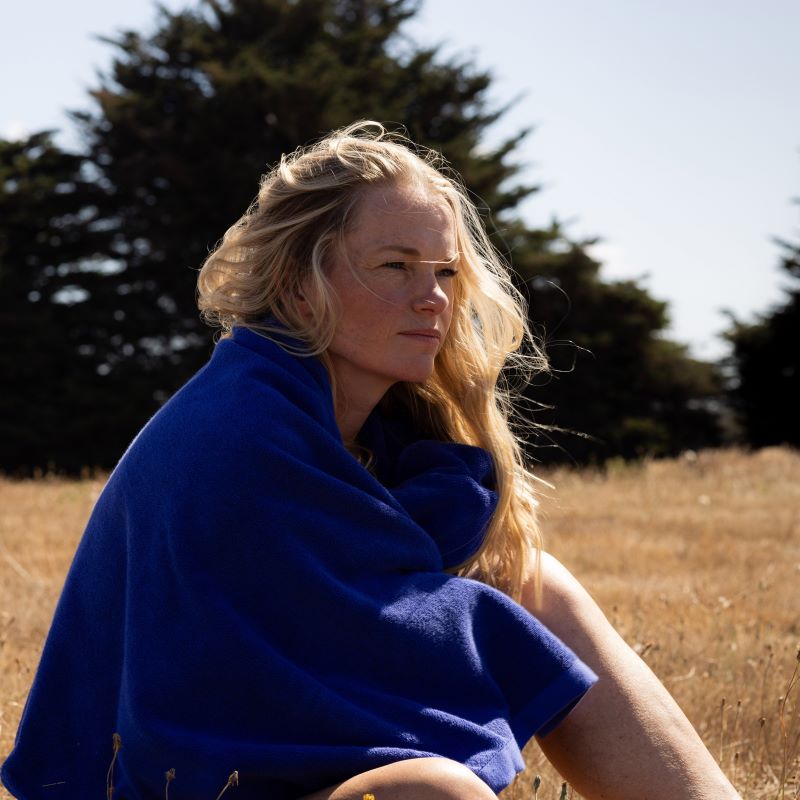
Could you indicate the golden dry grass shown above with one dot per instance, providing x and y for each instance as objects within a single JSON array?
[{"x": 696, "y": 560}]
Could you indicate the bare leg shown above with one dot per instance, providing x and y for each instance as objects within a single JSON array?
[
  {"x": 627, "y": 738},
  {"x": 413, "y": 779}
]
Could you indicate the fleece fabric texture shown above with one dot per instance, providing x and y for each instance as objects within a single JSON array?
[{"x": 248, "y": 597}]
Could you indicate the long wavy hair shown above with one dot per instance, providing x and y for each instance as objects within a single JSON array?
[{"x": 271, "y": 266}]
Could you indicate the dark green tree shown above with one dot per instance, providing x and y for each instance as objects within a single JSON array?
[
  {"x": 50, "y": 240},
  {"x": 765, "y": 389},
  {"x": 192, "y": 115},
  {"x": 183, "y": 124},
  {"x": 617, "y": 385}
]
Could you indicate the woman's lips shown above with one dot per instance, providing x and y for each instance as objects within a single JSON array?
[{"x": 429, "y": 335}]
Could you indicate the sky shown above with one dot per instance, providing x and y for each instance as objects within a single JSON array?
[{"x": 668, "y": 130}]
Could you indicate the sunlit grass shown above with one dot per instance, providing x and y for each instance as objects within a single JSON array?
[{"x": 696, "y": 561}]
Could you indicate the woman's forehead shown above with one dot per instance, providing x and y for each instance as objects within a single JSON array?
[{"x": 402, "y": 216}]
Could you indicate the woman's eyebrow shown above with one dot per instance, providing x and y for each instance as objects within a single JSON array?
[
  {"x": 398, "y": 248},
  {"x": 410, "y": 251}
]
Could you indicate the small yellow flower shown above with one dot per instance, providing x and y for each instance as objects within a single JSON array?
[{"x": 368, "y": 796}]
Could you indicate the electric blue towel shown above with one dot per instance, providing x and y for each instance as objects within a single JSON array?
[{"x": 248, "y": 597}]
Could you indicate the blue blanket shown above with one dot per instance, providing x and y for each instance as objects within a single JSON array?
[{"x": 247, "y": 596}]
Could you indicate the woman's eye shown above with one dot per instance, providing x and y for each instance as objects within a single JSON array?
[
  {"x": 448, "y": 272},
  {"x": 395, "y": 264}
]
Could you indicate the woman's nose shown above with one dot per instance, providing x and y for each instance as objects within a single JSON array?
[{"x": 430, "y": 296}]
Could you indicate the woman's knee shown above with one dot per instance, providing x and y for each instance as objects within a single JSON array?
[
  {"x": 412, "y": 779},
  {"x": 444, "y": 779}
]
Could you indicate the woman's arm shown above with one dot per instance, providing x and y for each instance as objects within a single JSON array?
[{"x": 627, "y": 738}]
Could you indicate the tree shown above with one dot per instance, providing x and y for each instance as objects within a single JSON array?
[
  {"x": 49, "y": 240},
  {"x": 765, "y": 390},
  {"x": 183, "y": 124},
  {"x": 617, "y": 386},
  {"x": 191, "y": 116}
]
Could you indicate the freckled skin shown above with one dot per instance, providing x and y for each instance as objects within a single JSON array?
[{"x": 396, "y": 274}]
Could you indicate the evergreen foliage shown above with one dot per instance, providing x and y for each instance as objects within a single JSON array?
[
  {"x": 617, "y": 386},
  {"x": 98, "y": 261},
  {"x": 766, "y": 364},
  {"x": 50, "y": 236}
]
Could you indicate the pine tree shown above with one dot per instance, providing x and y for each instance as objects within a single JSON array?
[
  {"x": 765, "y": 390},
  {"x": 191, "y": 116},
  {"x": 617, "y": 386},
  {"x": 50, "y": 235},
  {"x": 183, "y": 124}
]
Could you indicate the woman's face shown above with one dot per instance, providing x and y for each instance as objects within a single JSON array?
[{"x": 395, "y": 280}]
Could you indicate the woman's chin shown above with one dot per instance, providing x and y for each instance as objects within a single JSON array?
[{"x": 419, "y": 374}]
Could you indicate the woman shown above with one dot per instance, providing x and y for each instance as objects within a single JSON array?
[{"x": 316, "y": 564}]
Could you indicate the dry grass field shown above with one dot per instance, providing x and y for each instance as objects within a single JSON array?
[{"x": 696, "y": 560}]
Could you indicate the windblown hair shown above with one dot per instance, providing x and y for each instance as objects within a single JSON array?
[{"x": 278, "y": 253}]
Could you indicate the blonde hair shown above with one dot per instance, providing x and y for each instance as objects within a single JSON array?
[{"x": 276, "y": 255}]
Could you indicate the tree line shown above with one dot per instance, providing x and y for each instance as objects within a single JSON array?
[{"x": 99, "y": 249}]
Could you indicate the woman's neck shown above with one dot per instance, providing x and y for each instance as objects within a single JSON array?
[
  {"x": 353, "y": 407},
  {"x": 350, "y": 417}
]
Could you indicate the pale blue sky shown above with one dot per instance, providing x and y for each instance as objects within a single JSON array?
[{"x": 669, "y": 129}]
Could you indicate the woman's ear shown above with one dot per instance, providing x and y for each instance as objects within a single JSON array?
[{"x": 302, "y": 303}]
